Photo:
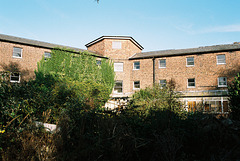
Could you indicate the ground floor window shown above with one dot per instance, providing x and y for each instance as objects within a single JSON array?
[
  {"x": 136, "y": 85},
  {"x": 209, "y": 105},
  {"x": 216, "y": 106},
  {"x": 118, "y": 88},
  {"x": 191, "y": 83},
  {"x": 191, "y": 105},
  {"x": 15, "y": 77},
  {"x": 222, "y": 82},
  {"x": 163, "y": 83}
]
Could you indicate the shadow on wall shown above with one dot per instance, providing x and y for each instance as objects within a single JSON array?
[
  {"x": 14, "y": 68},
  {"x": 231, "y": 73}
]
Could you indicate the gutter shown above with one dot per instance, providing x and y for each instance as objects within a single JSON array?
[
  {"x": 181, "y": 54},
  {"x": 153, "y": 59}
]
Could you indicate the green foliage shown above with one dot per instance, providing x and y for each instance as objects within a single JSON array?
[
  {"x": 234, "y": 97},
  {"x": 153, "y": 127},
  {"x": 80, "y": 67},
  {"x": 66, "y": 81},
  {"x": 155, "y": 98}
]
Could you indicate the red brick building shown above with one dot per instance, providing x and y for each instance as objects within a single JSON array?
[
  {"x": 201, "y": 74},
  {"x": 20, "y": 56}
]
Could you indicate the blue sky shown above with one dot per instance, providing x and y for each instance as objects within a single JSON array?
[{"x": 155, "y": 24}]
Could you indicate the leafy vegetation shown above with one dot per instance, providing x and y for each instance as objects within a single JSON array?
[
  {"x": 157, "y": 97},
  {"x": 153, "y": 127},
  {"x": 81, "y": 73},
  {"x": 234, "y": 97}
]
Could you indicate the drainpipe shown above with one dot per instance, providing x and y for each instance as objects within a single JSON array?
[{"x": 153, "y": 59}]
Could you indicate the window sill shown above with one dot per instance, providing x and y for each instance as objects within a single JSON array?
[
  {"x": 136, "y": 89},
  {"x": 17, "y": 57},
  {"x": 221, "y": 63},
  {"x": 222, "y": 86},
  {"x": 191, "y": 87},
  {"x": 15, "y": 81},
  {"x": 190, "y": 66},
  {"x": 118, "y": 93},
  {"x": 162, "y": 67}
]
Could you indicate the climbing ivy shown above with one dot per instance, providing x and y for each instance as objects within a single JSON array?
[{"x": 80, "y": 70}]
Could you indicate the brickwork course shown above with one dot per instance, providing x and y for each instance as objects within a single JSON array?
[{"x": 205, "y": 69}]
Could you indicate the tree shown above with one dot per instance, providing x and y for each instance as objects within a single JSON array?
[{"x": 234, "y": 97}]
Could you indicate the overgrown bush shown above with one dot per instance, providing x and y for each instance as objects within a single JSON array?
[
  {"x": 67, "y": 80},
  {"x": 156, "y": 98},
  {"x": 234, "y": 97},
  {"x": 153, "y": 127}
]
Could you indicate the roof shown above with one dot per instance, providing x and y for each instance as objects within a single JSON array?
[
  {"x": 35, "y": 43},
  {"x": 189, "y": 51},
  {"x": 41, "y": 44},
  {"x": 115, "y": 37}
]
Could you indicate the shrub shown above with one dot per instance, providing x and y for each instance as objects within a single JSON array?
[
  {"x": 234, "y": 97},
  {"x": 156, "y": 98}
]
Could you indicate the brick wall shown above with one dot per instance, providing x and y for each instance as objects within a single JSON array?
[
  {"x": 26, "y": 65},
  {"x": 144, "y": 74},
  {"x": 98, "y": 48},
  {"x": 104, "y": 47},
  {"x": 205, "y": 70}
]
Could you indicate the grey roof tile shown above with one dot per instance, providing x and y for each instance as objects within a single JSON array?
[
  {"x": 199, "y": 50},
  {"x": 35, "y": 43}
]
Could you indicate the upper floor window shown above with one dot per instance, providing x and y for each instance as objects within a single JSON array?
[
  {"x": 162, "y": 63},
  {"x": 17, "y": 52},
  {"x": 98, "y": 62},
  {"x": 116, "y": 44},
  {"x": 190, "y": 61},
  {"x": 47, "y": 55},
  {"x": 118, "y": 67},
  {"x": 221, "y": 59},
  {"x": 118, "y": 88},
  {"x": 163, "y": 83},
  {"x": 15, "y": 77},
  {"x": 136, "y": 65},
  {"x": 222, "y": 81},
  {"x": 191, "y": 83},
  {"x": 136, "y": 85}
]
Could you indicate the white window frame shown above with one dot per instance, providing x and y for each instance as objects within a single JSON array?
[
  {"x": 219, "y": 63},
  {"x": 163, "y": 84},
  {"x": 116, "y": 69},
  {"x": 114, "y": 91},
  {"x": 135, "y": 66},
  {"x": 160, "y": 63},
  {"x": 46, "y": 55},
  {"x": 187, "y": 60},
  {"x": 191, "y": 82},
  {"x": 224, "y": 82},
  {"x": 17, "y": 52},
  {"x": 116, "y": 45},
  {"x": 134, "y": 85},
  {"x": 15, "y": 81}
]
